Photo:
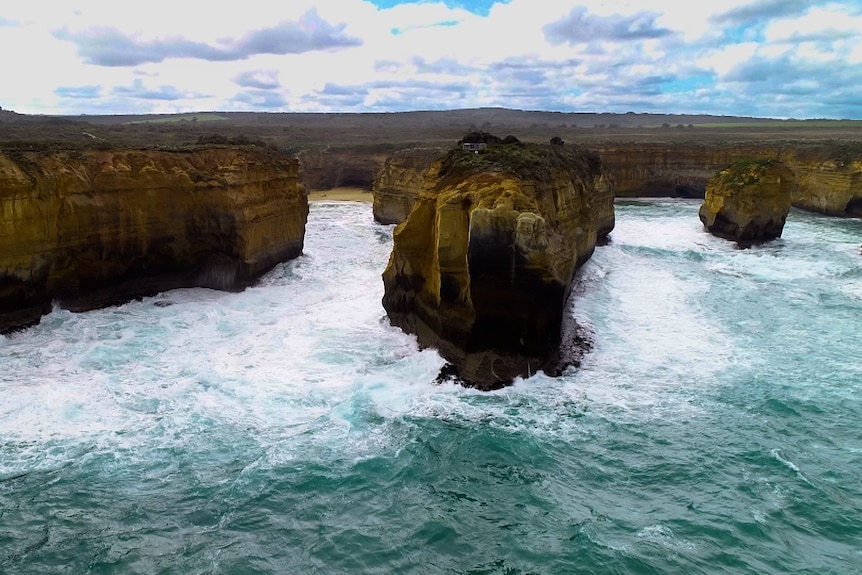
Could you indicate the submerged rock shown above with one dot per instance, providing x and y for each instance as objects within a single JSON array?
[
  {"x": 482, "y": 267},
  {"x": 749, "y": 201}
]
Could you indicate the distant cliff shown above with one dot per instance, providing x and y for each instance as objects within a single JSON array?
[
  {"x": 327, "y": 168},
  {"x": 828, "y": 174},
  {"x": 482, "y": 267},
  {"x": 828, "y": 178},
  {"x": 92, "y": 228}
]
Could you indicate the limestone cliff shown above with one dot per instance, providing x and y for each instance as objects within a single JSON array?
[
  {"x": 828, "y": 180},
  {"x": 828, "y": 174},
  {"x": 749, "y": 201},
  {"x": 327, "y": 168},
  {"x": 88, "y": 229},
  {"x": 482, "y": 267},
  {"x": 675, "y": 169},
  {"x": 401, "y": 180}
]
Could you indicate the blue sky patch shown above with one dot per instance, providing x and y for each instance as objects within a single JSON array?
[
  {"x": 479, "y": 7},
  {"x": 444, "y": 24},
  {"x": 686, "y": 83}
]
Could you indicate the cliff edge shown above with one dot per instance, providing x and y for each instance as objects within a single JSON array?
[{"x": 94, "y": 228}]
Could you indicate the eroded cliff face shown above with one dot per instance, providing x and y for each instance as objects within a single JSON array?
[
  {"x": 675, "y": 170},
  {"x": 749, "y": 201},
  {"x": 88, "y": 229},
  {"x": 825, "y": 183},
  {"x": 329, "y": 168},
  {"x": 482, "y": 267},
  {"x": 402, "y": 179}
]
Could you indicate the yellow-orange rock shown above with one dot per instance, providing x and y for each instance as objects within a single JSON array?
[
  {"x": 749, "y": 201},
  {"x": 826, "y": 182},
  {"x": 87, "y": 229},
  {"x": 828, "y": 174},
  {"x": 399, "y": 183},
  {"x": 482, "y": 267}
]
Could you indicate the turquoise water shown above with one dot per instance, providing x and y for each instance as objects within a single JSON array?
[{"x": 715, "y": 428}]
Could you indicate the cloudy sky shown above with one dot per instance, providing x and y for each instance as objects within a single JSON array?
[{"x": 773, "y": 58}]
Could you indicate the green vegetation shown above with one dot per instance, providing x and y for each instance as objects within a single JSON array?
[
  {"x": 748, "y": 164},
  {"x": 744, "y": 172},
  {"x": 845, "y": 152},
  {"x": 203, "y": 117},
  {"x": 785, "y": 124},
  {"x": 294, "y": 132},
  {"x": 528, "y": 161}
]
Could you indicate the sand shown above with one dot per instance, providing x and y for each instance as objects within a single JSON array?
[{"x": 340, "y": 195}]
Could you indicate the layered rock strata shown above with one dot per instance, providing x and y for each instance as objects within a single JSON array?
[
  {"x": 327, "y": 168},
  {"x": 671, "y": 170},
  {"x": 482, "y": 267},
  {"x": 401, "y": 180},
  {"x": 749, "y": 201},
  {"x": 828, "y": 174},
  {"x": 88, "y": 229},
  {"x": 828, "y": 180}
]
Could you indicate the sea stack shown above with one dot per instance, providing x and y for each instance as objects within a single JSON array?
[
  {"x": 749, "y": 201},
  {"x": 482, "y": 267}
]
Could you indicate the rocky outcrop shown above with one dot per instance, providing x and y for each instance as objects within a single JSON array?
[
  {"x": 749, "y": 201},
  {"x": 87, "y": 229},
  {"x": 403, "y": 177},
  {"x": 482, "y": 267}
]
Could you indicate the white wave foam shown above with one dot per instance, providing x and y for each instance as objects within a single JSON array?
[
  {"x": 306, "y": 360},
  {"x": 664, "y": 536},
  {"x": 776, "y": 453}
]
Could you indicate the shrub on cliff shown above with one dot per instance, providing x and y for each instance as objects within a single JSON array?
[
  {"x": 844, "y": 152},
  {"x": 212, "y": 139},
  {"x": 221, "y": 140},
  {"x": 478, "y": 137},
  {"x": 526, "y": 160}
]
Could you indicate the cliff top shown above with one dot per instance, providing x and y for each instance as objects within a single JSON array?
[
  {"x": 526, "y": 160},
  {"x": 747, "y": 172}
]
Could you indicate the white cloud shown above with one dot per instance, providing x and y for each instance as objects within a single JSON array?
[
  {"x": 827, "y": 23},
  {"x": 725, "y": 59},
  {"x": 308, "y": 55}
]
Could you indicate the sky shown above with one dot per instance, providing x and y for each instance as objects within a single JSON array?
[{"x": 765, "y": 58}]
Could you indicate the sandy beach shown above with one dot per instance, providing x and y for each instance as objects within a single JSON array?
[{"x": 340, "y": 195}]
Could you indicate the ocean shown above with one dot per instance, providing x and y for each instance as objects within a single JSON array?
[{"x": 716, "y": 426}]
